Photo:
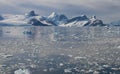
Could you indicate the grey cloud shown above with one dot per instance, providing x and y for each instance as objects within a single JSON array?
[{"x": 105, "y": 9}]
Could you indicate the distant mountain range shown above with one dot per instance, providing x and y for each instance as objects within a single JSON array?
[{"x": 54, "y": 19}]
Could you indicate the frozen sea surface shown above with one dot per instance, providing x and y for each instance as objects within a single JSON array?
[{"x": 60, "y": 50}]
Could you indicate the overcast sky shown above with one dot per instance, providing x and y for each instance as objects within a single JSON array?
[{"x": 108, "y": 10}]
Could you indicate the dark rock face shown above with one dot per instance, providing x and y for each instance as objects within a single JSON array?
[
  {"x": 31, "y": 13},
  {"x": 42, "y": 18},
  {"x": 48, "y": 21},
  {"x": 36, "y": 22},
  {"x": 89, "y": 22},
  {"x": 1, "y": 18},
  {"x": 79, "y": 18},
  {"x": 95, "y": 23},
  {"x": 51, "y": 22},
  {"x": 62, "y": 17}
]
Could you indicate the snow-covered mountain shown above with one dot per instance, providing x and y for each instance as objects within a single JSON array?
[
  {"x": 57, "y": 19},
  {"x": 83, "y": 20},
  {"x": 54, "y": 19},
  {"x": 31, "y": 14}
]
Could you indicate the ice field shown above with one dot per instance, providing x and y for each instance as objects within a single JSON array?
[{"x": 59, "y": 50}]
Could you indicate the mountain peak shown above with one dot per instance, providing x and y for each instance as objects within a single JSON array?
[
  {"x": 52, "y": 15},
  {"x": 96, "y": 22},
  {"x": 93, "y": 17},
  {"x": 57, "y": 18},
  {"x": 83, "y": 16},
  {"x": 79, "y": 18},
  {"x": 31, "y": 13}
]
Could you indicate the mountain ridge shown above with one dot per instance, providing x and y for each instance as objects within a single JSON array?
[{"x": 54, "y": 19}]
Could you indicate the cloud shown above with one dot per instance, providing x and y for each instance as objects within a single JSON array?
[{"x": 105, "y": 9}]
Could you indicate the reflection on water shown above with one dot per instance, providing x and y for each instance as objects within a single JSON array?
[{"x": 59, "y": 50}]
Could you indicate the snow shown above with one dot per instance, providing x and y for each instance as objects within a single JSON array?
[
  {"x": 75, "y": 23},
  {"x": 14, "y": 20},
  {"x": 53, "y": 15},
  {"x": 67, "y": 70},
  {"x": 20, "y": 71},
  {"x": 118, "y": 47},
  {"x": 61, "y": 64},
  {"x": 106, "y": 66},
  {"x": 78, "y": 57},
  {"x": 45, "y": 70}
]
